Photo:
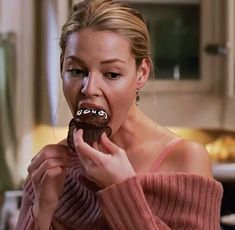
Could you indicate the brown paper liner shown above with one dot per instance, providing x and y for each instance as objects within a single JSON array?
[{"x": 91, "y": 133}]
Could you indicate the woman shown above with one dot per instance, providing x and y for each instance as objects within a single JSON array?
[{"x": 142, "y": 176}]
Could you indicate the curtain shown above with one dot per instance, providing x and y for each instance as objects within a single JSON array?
[
  {"x": 30, "y": 83},
  {"x": 53, "y": 110},
  {"x": 8, "y": 140}
]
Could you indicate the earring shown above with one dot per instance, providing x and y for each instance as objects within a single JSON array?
[{"x": 137, "y": 99}]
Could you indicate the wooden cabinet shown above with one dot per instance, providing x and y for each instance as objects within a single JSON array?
[
  {"x": 203, "y": 98},
  {"x": 206, "y": 100},
  {"x": 229, "y": 67}
]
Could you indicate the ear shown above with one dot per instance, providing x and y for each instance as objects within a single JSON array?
[{"x": 143, "y": 73}]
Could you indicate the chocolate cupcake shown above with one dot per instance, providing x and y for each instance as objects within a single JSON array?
[{"x": 94, "y": 123}]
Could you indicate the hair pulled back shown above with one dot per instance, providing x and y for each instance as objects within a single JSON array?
[{"x": 109, "y": 15}]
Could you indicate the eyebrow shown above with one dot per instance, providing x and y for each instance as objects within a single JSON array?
[
  {"x": 108, "y": 61},
  {"x": 112, "y": 60},
  {"x": 73, "y": 57}
]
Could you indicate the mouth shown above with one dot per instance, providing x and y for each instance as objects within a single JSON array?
[{"x": 91, "y": 106}]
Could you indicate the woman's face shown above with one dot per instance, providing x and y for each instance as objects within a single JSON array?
[{"x": 100, "y": 71}]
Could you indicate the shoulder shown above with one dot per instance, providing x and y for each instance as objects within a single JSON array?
[
  {"x": 189, "y": 157},
  {"x": 63, "y": 142}
]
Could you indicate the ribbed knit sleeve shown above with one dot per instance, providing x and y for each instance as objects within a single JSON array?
[
  {"x": 163, "y": 201},
  {"x": 78, "y": 206},
  {"x": 26, "y": 218}
]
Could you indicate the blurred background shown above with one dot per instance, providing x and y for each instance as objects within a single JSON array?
[{"x": 192, "y": 91}]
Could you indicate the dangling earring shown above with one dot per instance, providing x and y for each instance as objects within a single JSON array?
[{"x": 137, "y": 99}]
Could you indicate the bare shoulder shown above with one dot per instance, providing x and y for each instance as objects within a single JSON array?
[
  {"x": 190, "y": 157},
  {"x": 63, "y": 142}
]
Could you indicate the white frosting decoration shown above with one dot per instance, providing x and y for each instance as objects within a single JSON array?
[
  {"x": 86, "y": 111},
  {"x": 79, "y": 112},
  {"x": 101, "y": 113}
]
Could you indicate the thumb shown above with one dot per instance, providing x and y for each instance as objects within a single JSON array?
[{"x": 108, "y": 145}]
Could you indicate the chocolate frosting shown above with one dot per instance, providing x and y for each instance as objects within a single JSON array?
[{"x": 94, "y": 117}]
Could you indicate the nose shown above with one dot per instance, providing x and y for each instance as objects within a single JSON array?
[{"x": 90, "y": 86}]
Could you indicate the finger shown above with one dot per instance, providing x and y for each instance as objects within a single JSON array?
[
  {"x": 53, "y": 173},
  {"x": 52, "y": 181},
  {"x": 45, "y": 166},
  {"x": 86, "y": 150},
  {"x": 100, "y": 147},
  {"x": 48, "y": 152},
  {"x": 95, "y": 145},
  {"x": 108, "y": 145},
  {"x": 82, "y": 158}
]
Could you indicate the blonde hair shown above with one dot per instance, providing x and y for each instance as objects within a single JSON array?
[{"x": 110, "y": 15}]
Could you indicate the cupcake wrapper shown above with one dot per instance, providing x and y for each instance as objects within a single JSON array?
[{"x": 90, "y": 133}]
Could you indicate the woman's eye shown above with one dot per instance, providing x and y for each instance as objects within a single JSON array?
[
  {"x": 77, "y": 72},
  {"x": 112, "y": 75}
]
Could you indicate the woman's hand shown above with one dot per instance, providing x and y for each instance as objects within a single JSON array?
[
  {"x": 47, "y": 172},
  {"x": 106, "y": 163}
]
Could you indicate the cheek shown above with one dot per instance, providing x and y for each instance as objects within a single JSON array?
[
  {"x": 127, "y": 91},
  {"x": 122, "y": 99},
  {"x": 71, "y": 91}
]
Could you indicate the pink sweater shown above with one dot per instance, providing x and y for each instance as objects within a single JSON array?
[{"x": 145, "y": 202}]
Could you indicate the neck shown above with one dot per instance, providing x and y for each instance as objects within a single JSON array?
[{"x": 132, "y": 134}]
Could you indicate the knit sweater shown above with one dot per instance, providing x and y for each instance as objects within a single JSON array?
[{"x": 149, "y": 201}]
